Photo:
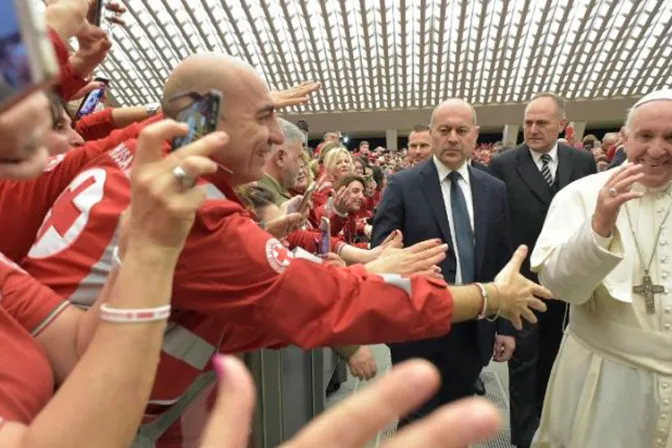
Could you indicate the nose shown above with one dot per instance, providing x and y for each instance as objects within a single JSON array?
[
  {"x": 659, "y": 148},
  {"x": 74, "y": 139}
]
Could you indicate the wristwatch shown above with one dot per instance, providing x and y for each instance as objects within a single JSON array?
[{"x": 152, "y": 108}]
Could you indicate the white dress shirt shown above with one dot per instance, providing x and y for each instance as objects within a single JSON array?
[
  {"x": 552, "y": 165},
  {"x": 465, "y": 184}
]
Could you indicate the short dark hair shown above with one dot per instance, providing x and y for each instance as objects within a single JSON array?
[
  {"x": 420, "y": 128},
  {"x": 256, "y": 197},
  {"x": 347, "y": 180}
]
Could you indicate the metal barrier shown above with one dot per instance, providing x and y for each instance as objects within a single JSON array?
[{"x": 291, "y": 390}]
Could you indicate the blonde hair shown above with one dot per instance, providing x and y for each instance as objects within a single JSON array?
[
  {"x": 330, "y": 159},
  {"x": 307, "y": 159},
  {"x": 326, "y": 148}
]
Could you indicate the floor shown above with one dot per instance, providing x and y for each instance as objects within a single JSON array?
[{"x": 495, "y": 378}]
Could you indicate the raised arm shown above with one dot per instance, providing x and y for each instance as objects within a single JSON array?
[{"x": 119, "y": 366}]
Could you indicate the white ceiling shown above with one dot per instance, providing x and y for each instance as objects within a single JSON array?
[{"x": 401, "y": 54}]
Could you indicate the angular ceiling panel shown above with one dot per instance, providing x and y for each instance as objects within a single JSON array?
[{"x": 396, "y": 54}]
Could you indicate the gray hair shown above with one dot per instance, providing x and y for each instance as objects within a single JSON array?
[
  {"x": 559, "y": 101},
  {"x": 291, "y": 132}
]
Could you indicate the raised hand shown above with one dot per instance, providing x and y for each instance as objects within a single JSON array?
[
  {"x": 279, "y": 227},
  {"x": 162, "y": 210},
  {"x": 295, "y": 96},
  {"x": 616, "y": 192},
  {"x": 354, "y": 422},
  {"x": 517, "y": 294},
  {"x": 419, "y": 258}
]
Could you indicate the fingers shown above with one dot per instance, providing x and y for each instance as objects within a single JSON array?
[
  {"x": 516, "y": 322},
  {"x": 537, "y": 304},
  {"x": 229, "y": 423},
  {"x": 355, "y": 421},
  {"x": 529, "y": 316},
  {"x": 425, "y": 245},
  {"x": 197, "y": 166},
  {"x": 540, "y": 291},
  {"x": 152, "y": 138},
  {"x": 459, "y": 424},
  {"x": 518, "y": 258},
  {"x": 26, "y": 168},
  {"x": 204, "y": 146}
]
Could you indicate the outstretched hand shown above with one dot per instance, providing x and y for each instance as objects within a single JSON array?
[
  {"x": 419, "y": 258},
  {"x": 517, "y": 294},
  {"x": 295, "y": 96}
]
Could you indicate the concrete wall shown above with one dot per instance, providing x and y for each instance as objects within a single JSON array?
[{"x": 492, "y": 118}]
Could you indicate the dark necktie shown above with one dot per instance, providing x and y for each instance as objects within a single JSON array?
[
  {"x": 545, "y": 170},
  {"x": 464, "y": 236}
]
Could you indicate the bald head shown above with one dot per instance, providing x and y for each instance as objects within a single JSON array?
[
  {"x": 203, "y": 72},
  {"x": 453, "y": 132},
  {"x": 454, "y": 105}
]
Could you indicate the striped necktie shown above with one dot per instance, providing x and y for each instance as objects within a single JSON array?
[{"x": 545, "y": 171}]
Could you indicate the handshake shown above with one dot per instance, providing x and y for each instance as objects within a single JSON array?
[{"x": 510, "y": 295}]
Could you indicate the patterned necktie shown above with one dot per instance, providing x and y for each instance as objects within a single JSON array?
[
  {"x": 545, "y": 171},
  {"x": 464, "y": 236}
]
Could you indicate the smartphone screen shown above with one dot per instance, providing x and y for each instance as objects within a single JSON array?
[
  {"x": 201, "y": 116},
  {"x": 14, "y": 58},
  {"x": 324, "y": 244},
  {"x": 92, "y": 100},
  {"x": 27, "y": 58}
]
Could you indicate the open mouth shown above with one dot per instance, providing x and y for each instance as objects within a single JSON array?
[{"x": 653, "y": 163}]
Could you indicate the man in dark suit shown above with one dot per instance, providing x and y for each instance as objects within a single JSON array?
[
  {"x": 533, "y": 173},
  {"x": 446, "y": 198}
]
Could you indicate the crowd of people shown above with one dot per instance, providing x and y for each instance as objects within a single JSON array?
[{"x": 133, "y": 272}]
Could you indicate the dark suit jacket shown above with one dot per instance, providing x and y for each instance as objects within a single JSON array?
[
  {"x": 413, "y": 203},
  {"x": 529, "y": 195},
  {"x": 619, "y": 157}
]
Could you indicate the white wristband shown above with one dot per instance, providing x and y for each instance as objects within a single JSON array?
[{"x": 138, "y": 315}]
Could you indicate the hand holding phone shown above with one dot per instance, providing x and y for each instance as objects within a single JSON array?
[
  {"x": 305, "y": 202},
  {"x": 201, "y": 116}
]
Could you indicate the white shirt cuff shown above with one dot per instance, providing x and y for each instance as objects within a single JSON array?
[{"x": 601, "y": 241}]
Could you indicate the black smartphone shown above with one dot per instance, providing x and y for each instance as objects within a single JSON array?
[
  {"x": 92, "y": 99},
  {"x": 201, "y": 116},
  {"x": 27, "y": 58}
]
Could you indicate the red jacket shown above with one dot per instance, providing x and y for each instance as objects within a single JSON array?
[
  {"x": 236, "y": 288},
  {"x": 25, "y": 203},
  {"x": 97, "y": 125}
]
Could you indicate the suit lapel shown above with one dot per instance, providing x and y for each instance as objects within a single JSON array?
[
  {"x": 565, "y": 166},
  {"x": 432, "y": 191},
  {"x": 530, "y": 174},
  {"x": 480, "y": 200}
]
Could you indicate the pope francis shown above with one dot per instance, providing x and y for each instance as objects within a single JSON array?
[{"x": 606, "y": 249}]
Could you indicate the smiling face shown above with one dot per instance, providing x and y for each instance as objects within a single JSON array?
[
  {"x": 357, "y": 194},
  {"x": 648, "y": 141}
]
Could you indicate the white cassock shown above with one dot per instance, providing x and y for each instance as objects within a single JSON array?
[{"x": 611, "y": 384}]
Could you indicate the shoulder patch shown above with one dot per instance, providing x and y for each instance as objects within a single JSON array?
[{"x": 278, "y": 256}]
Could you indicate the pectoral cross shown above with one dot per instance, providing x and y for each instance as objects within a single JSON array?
[{"x": 648, "y": 290}]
